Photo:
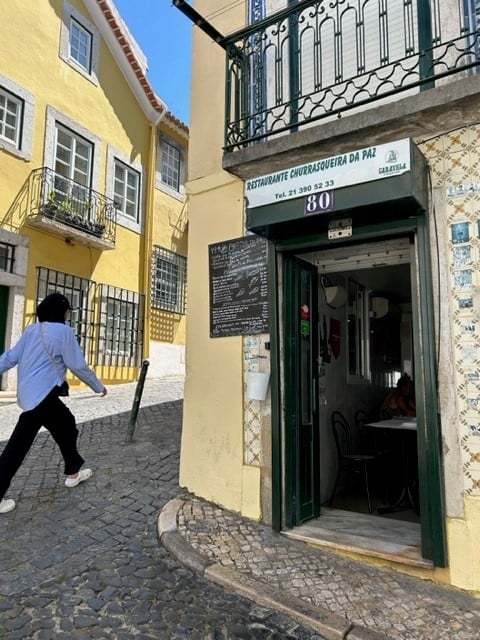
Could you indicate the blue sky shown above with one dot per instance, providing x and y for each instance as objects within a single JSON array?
[{"x": 164, "y": 34}]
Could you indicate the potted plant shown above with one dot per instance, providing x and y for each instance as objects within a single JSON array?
[
  {"x": 50, "y": 208},
  {"x": 98, "y": 229}
]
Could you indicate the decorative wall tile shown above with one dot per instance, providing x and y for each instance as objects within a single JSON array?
[
  {"x": 458, "y": 166},
  {"x": 460, "y": 231},
  {"x": 255, "y": 359},
  {"x": 462, "y": 256}
]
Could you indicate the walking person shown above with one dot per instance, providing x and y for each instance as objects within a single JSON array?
[{"x": 43, "y": 354}]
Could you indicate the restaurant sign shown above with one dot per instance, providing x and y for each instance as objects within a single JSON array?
[{"x": 328, "y": 174}]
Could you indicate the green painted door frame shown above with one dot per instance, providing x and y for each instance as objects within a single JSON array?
[
  {"x": 302, "y": 439},
  {"x": 428, "y": 419}
]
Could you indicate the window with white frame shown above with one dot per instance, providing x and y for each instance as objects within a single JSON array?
[
  {"x": 11, "y": 114},
  {"x": 171, "y": 160},
  {"x": 17, "y": 108},
  {"x": 120, "y": 333},
  {"x": 80, "y": 45},
  {"x": 79, "y": 42},
  {"x": 126, "y": 190},
  {"x": 169, "y": 272},
  {"x": 73, "y": 161}
]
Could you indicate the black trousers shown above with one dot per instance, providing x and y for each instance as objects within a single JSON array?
[{"x": 55, "y": 416}]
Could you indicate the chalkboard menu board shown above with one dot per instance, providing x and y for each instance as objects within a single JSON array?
[{"x": 238, "y": 287}]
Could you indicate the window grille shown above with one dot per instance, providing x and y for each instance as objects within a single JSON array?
[
  {"x": 7, "y": 257},
  {"x": 11, "y": 116},
  {"x": 171, "y": 163},
  {"x": 120, "y": 327},
  {"x": 169, "y": 271},
  {"x": 79, "y": 292},
  {"x": 81, "y": 45}
]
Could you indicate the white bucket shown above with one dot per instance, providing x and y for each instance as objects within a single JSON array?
[{"x": 257, "y": 385}]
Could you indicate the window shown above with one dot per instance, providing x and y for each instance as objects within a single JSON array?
[
  {"x": 11, "y": 110},
  {"x": 74, "y": 155},
  {"x": 78, "y": 290},
  {"x": 7, "y": 257},
  {"x": 171, "y": 162},
  {"x": 126, "y": 190},
  {"x": 79, "y": 42},
  {"x": 120, "y": 327},
  {"x": 168, "y": 280},
  {"x": 80, "y": 45},
  {"x": 171, "y": 158},
  {"x": 357, "y": 328},
  {"x": 124, "y": 185},
  {"x": 73, "y": 161},
  {"x": 17, "y": 108}
]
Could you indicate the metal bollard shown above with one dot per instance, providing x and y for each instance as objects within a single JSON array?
[{"x": 136, "y": 402}]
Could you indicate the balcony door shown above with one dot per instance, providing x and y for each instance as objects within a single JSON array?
[{"x": 73, "y": 167}]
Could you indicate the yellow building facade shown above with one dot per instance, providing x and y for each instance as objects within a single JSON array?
[
  {"x": 87, "y": 189},
  {"x": 367, "y": 208}
]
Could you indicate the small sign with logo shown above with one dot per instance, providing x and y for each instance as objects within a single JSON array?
[{"x": 319, "y": 202}]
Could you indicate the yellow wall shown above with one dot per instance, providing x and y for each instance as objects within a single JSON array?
[
  {"x": 212, "y": 439},
  {"x": 29, "y": 56},
  {"x": 208, "y": 90},
  {"x": 170, "y": 231},
  {"x": 212, "y": 451},
  {"x": 463, "y": 538}
]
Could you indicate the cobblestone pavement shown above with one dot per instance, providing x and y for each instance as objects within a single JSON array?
[
  {"x": 392, "y": 604},
  {"x": 86, "y": 563}
]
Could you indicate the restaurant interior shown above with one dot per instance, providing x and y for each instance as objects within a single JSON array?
[{"x": 368, "y": 439}]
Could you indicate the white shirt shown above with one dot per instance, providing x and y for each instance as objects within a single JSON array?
[{"x": 38, "y": 372}]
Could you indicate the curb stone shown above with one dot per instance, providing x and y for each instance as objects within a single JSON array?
[
  {"x": 179, "y": 548},
  {"x": 330, "y": 625}
]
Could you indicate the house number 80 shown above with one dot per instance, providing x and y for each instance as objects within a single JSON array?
[{"x": 319, "y": 202}]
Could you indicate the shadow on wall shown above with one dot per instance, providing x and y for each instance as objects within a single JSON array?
[{"x": 164, "y": 325}]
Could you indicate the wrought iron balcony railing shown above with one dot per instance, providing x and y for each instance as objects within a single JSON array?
[
  {"x": 62, "y": 200},
  {"x": 318, "y": 58}
]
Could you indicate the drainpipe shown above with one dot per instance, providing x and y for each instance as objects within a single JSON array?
[{"x": 148, "y": 235}]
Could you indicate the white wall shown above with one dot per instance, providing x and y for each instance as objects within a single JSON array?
[{"x": 166, "y": 360}]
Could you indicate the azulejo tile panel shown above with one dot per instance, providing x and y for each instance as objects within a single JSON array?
[
  {"x": 454, "y": 160},
  {"x": 255, "y": 360}
]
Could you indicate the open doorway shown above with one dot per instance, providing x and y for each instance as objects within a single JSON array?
[
  {"x": 353, "y": 342},
  {"x": 365, "y": 351}
]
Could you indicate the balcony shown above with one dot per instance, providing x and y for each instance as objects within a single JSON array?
[
  {"x": 65, "y": 208},
  {"x": 316, "y": 68}
]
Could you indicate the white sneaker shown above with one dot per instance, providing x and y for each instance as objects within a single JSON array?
[
  {"x": 83, "y": 474},
  {"x": 6, "y": 505}
]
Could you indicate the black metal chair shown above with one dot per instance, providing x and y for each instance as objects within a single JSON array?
[
  {"x": 366, "y": 436},
  {"x": 350, "y": 460}
]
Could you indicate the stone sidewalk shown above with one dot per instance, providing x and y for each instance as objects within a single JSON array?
[
  {"x": 336, "y": 596},
  {"x": 86, "y": 405},
  {"x": 86, "y": 563}
]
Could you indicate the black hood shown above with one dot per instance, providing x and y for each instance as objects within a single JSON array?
[{"x": 53, "y": 308}]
